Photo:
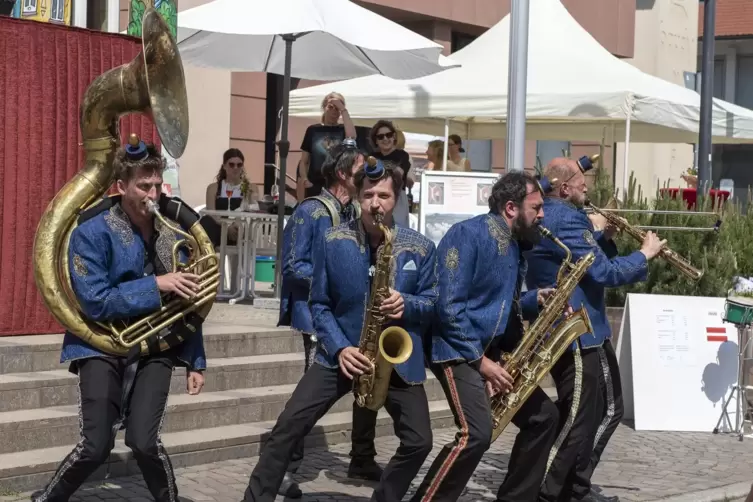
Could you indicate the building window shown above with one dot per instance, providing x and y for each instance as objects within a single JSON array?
[
  {"x": 96, "y": 15},
  {"x": 460, "y": 40},
  {"x": 57, "y": 14},
  {"x": 548, "y": 150},
  {"x": 719, "y": 76},
  {"x": 744, "y": 82},
  {"x": 30, "y": 7}
]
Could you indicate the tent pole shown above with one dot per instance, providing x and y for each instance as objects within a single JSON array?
[
  {"x": 446, "y": 139},
  {"x": 626, "y": 157},
  {"x": 516, "y": 86},
  {"x": 284, "y": 147},
  {"x": 707, "y": 95}
]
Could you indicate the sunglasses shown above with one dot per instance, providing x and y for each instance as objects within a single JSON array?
[{"x": 387, "y": 135}]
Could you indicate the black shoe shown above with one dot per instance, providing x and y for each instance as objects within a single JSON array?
[
  {"x": 289, "y": 488},
  {"x": 368, "y": 470},
  {"x": 598, "y": 497}
]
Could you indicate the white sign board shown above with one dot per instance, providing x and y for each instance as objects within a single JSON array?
[
  {"x": 449, "y": 197},
  {"x": 678, "y": 362}
]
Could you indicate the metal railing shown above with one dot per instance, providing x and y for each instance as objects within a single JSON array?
[{"x": 257, "y": 236}]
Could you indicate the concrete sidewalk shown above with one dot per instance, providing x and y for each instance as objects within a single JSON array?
[{"x": 637, "y": 466}]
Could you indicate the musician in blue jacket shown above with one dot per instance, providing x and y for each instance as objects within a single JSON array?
[
  {"x": 480, "y": 313},
  {"x": 309, "y": 221},
  {"x": 578, "y": 372},
  {"x": 120, "y": 263},
  {"x": 344, "y": 262}
]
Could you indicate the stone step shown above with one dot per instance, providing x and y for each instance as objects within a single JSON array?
[
  {"x": 24, "y": 391},
  {"x": 44, "y": 389},
  {"x": 32, "y": 470},
  {"x": 58, "y": 425},
  {"x": 23, "y": 354}
]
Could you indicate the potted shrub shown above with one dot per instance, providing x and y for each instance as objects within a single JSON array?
[{"x": 691, "y": 177}]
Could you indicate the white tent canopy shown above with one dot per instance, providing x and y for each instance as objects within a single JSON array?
[{"x": 576, "y": 90}]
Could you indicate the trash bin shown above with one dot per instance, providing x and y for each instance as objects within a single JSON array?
[{"x": 265, "y": 269}]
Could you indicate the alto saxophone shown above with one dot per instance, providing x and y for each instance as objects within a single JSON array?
[
  {"x": 537, "y": 352},
  {"x": 384, "y": 348},
  {"x": 675, "y": 260}
]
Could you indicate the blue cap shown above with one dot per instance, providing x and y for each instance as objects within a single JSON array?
[
  {"x": 374, "y": 169},
  {"x": 349, "y": 143},
  {"x": 136, "y": 149},
  {"x": 545, "y": 185},
  {"x": 587, "y": 163}
]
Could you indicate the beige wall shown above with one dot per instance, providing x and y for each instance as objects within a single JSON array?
[
  {"x": 209, "y": 98},
  {"x": 209, "y": 118},
  {"x": 665, "y": 46}
]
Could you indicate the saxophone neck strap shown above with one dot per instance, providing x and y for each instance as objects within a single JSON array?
[{"x": 334, "y": 213}]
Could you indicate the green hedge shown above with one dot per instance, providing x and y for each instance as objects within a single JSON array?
[{"x": 722, "y": 255}]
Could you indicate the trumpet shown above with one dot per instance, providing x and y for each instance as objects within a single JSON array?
[{"x": 675, "y": 260}]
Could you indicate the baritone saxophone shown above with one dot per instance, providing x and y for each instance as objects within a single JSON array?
[{"x": 537, "y": 352}]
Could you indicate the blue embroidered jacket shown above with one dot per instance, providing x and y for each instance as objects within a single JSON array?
[
  {"x": 308, "y": 222},
  {"x": 341, "y": 288},
  {"x": 480, "y": 273},
  {"x": 106, "y": 258},
  {"x": 572, "y": 226}
]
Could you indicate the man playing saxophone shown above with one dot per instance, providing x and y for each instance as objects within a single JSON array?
[
  {"x": 480, "y": 313},
  {"x": 120, "y": 261},
  {"x": 578, "y": 373},
  {"x": 311, "y": 219},
  {"x": 346, "y": 260}
]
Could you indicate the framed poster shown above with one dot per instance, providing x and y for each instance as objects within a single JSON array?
[{"x": 448, "y": 197}]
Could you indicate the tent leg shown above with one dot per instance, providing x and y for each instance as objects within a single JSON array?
[
  {"x": 446, "y": 140},
  {"x": 284, "y": 147},
  {"x": 626, "y": 158}
]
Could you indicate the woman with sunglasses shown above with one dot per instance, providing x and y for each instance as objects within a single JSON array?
[
  {"x": 384, "y": 140},
  {"x": 228, "y": 193}
]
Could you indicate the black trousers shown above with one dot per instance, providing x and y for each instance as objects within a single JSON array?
[
  {"x": 319, "y": 389},
  {"x": 452, "y": 469},
  {"x": 100, "y": 384},
  {"x": 610, "y": 417},
  {"x": 577, "y": 376},
  {"x": 363, "y": 434}
]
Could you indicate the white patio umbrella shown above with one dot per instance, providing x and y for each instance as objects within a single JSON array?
[{"x": 309, "y": 39}]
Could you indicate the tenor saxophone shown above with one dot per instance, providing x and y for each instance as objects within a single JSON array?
[
  {"x": 384, "y": 348},
  {"x": 537, "y": 352},
  {"x": 675, "y": 260}
]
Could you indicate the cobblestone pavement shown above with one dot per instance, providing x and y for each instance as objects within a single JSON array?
[{"x": 637, "y": 466}]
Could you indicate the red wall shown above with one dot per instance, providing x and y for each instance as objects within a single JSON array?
[{"x": 44, "y": 72}]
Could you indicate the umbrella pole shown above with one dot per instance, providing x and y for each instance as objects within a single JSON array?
[{"x": 284, "y": 147}]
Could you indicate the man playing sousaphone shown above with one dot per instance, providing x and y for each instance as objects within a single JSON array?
[{"x": 120, "y": 260}]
